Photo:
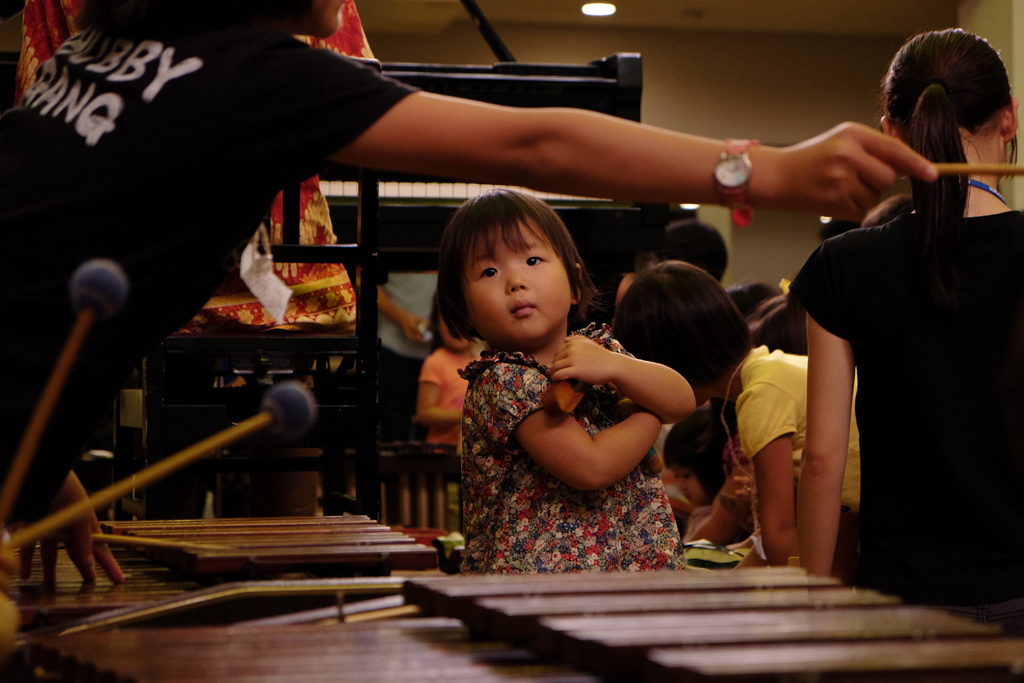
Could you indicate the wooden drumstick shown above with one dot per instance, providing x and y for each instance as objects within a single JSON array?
[
  {"x": 98, "y": 291},
  {"x": 979, "y": 169},
  {"x": 287, "y": 408}
]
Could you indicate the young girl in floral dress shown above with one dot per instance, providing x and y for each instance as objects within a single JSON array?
[{"x": 544, "y": 492}]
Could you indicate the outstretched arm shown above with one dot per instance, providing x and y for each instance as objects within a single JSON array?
[
  {"x": 840, "y": 173},
  {"x": 830, "y": 370}
]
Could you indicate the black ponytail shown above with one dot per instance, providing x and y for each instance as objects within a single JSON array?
[
  {"x": 940, "y": 206},
  {"x": 938, "y": 83}
]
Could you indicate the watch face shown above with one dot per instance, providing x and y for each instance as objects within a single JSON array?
[{"x": 733, "y": 170}]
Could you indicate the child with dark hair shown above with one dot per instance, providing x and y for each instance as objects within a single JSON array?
[
  {"x": 546, "y": 491},
  {"x": 922, "y": 309},
  {"x": 780, "y": 324},
  {"x": 689, "y": 437},
  {"x": 679, "y": 315},
  {"x": 160, "y": 99},
  {"x": 749, "y": 295},
  {"x": 696, "y": 463},
  {"x": 695, "y": 242}
]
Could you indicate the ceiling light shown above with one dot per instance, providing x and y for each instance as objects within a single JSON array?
[
  {"x": 825, "y": 220},
  {"x": 689, "y": 207},
  {"x": 598, "y": 9}
]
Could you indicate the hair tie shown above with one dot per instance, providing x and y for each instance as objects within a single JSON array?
[
  {"x": 784, "y": 286},
  {"x": 938, "y": 81}
]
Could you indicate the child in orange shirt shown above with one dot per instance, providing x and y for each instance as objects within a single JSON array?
[{"x": 442, "y": 391}]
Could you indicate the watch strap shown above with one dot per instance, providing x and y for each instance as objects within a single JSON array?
[{"x": 736, "y": 197}]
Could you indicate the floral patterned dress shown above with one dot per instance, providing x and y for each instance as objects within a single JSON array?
[{"x": 520, "y": 519}]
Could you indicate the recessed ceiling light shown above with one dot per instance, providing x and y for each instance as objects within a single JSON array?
[
  {"x": 689, "y": 207},
  {"x": 825, "y": 220},
  {"x": 598, "y": 9}
]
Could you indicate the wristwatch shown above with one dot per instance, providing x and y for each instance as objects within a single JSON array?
[{"x": 733, "y": 176}]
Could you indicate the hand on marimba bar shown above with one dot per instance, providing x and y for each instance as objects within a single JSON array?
[
  {"x": 77, "y": 539},
  {"x": 98, "y": 290}
]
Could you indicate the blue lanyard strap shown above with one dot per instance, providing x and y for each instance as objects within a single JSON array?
[{"x": 987, "y": 188}]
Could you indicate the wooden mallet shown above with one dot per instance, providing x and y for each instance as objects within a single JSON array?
[
  {"x": 98, "y": 289},
  {"x": 288, "y": 408}
]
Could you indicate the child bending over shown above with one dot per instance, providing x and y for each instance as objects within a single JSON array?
[
  {"x": 542, "y": 492},
  {"x": 679, "y": 315}
]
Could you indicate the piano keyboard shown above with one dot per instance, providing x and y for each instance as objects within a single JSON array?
[{"x": 395, "y": 192}]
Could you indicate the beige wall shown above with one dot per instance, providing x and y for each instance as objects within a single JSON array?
[
  {"x": 777, "y": 88},
  {"x": 1001, "y": 22},
  {"x": 10, "y": 35}
]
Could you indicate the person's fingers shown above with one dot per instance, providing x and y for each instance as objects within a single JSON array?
[
  {"x": 8, "y": 559},
  {"x": 897, "y": 155},
  {"x": 106, "y": 560},
  {"x": 48, "y": 556},
  {"x": 414, "y": 333},
  {"x": 25, "y": 555},
  {"x": 8, "y": 565},
  {"x": 80, "y": 550}
]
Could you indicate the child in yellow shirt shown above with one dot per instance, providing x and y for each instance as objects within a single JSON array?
[{"x": 678, "y": 315}]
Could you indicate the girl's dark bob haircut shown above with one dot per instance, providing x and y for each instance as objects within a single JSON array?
[
  {"x": 127, "y": 16},
  {"x": 492, "y": 220},
  {"x": 678, "y": 315}
]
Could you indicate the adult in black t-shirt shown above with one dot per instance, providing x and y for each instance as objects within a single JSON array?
[
  {"x": 159, "y": 136},
  {"x": 923, "y": 308}
]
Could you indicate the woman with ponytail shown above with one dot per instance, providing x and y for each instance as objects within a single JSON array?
[{"x": 922, "y": 309}]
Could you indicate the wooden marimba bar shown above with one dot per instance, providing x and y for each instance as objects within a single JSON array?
[
  {"x": 754, "y": 625},
  {"x": 397, "y": 650},
  {"x": 763, "y": 625},
  {"x": 326, "y": 545}
]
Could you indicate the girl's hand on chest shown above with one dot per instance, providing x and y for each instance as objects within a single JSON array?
[{"x": 587, "y": 360}]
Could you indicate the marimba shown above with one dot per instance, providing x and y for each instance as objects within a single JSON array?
[
  {"x": 755, "y": 625},
  {"x": 326, "y": 546}
]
